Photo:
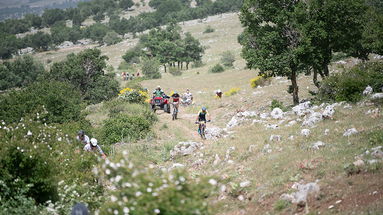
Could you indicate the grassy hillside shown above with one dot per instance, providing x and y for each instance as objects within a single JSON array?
[{"x": 254, "y": 168}]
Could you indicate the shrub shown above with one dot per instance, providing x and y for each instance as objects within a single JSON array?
[
  {"x": 123, "y": 127},
  {"x": 216, "y": 69},
  {"x": 197, "y": 64},
  {"x": 227, "y": 58},
  {"x": 111, "y": 38},
  {"x": 19, "y": 73},
  {"x": 208, "y": 29},
  {"x": 232, "y": 91},
  {"x": 375, "y": 137},
  {"x": 143, "y": 190},
  {"x": 132, "y": 55},
  {"x": 259, "y": 81},
  {"x": 349, "y": 85},
  {"x": 150, "y": 68},
  {"x": 133, "y": 95},
  {"x": 34, "y": 157},
  {"x": 61, "y": 100},
  {"x": 102, "y": 89},
  {"x": 175, "y": 71},
  {"x": 281, "y": 204},
  {"x": 277, "y": 104}
]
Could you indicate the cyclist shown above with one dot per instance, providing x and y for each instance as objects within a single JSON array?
[
  {"x": 203, "y": 116},
  {"x": 84, "y": 139},
  {"x": 93, "y": 146}
]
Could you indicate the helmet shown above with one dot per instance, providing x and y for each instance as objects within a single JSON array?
[
  {"x": 203, "y": 108},
  {"x": 219, "y": 90},
  {"x": 93, "y": 142},
  {"x": 175, "y": 92},
  {"x": 81, "y": 133},
  {"x": 158, "y": 87}
]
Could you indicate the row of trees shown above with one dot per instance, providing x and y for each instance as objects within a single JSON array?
[
  {"x": 291, "y": 37},
  {"x": 168, "y": 47}
]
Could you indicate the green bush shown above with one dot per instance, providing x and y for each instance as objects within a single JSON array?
[
  {"x": 142, "y": 190},
  {"x": 216, "y": 69},
  {"x": 208, "y": 29},
  {"x": 277, "y": 104},
  {"x": 175, "y": 71},
  {"x": 349, "y": 85},
  {"x": 38, "y": 162},
  {"x": 133, "y": 55},
  {"x": 124, "y": 127},
  {"x": 281, "y": 204},
  {"x": 19, "y": 73},
  {"x": 227, "y": 58},
  {"x": 104, "y": 88},
  {"x": 150, "y": 68},
  {"x": 111, "y": 38},
  {"x": 61, "y": 100}
]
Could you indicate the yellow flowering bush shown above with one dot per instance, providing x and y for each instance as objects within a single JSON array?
[
  {"x": 232, "y": 91},
  {"x": 134, "y": 95},
  {"x": 260, "y": 80}
]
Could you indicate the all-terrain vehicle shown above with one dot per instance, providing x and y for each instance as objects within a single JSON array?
[{"x": 160, "y": 103}]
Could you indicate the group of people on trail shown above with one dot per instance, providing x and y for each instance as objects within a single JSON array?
[
  {"x": 187, "y": 97},
  {"x": 126, "y": 76},
  {"x": 90, "y": 145}
]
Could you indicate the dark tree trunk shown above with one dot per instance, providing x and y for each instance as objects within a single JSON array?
[
  {"x": 326, "y": 72},
  {"x": 182, "y": 65},
  {"x": 187, "y": 65},
  {"x": 294, "y": 85},
  {"x": 165, "y": 67},
  {"x": 178, "y": 64},
  {"x": 315, "y": 79}
]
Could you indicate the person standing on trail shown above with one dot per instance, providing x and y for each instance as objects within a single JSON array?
[
  {"x": 84, "y": 139},
  {"x": 158, "y": 92},
  {"x": 93, "y": 146},
  {"x": 218, "y": 93},
  {"x": 188, "y": 97}
]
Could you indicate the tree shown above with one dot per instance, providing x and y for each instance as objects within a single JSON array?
[
  {"x": 40, "y": 40},
  {"x": 85, "y": 71},
  {"x": 8, "y": 45},
  {"x": 150, "y": 68},
  {"x": 96, "y": 32},
  {"x": 331, "y": 26},
  {"x": 227, "y": 58},
  {"x": 192, "y": 50},
  {"x": 132, "y": 55},
  {"x": 50, "y": 16},
  {"x": 111, "y": 38},
  {"x": 126, "y": 4},
  {"x": 373, "y": 27},
  {"x": 271, "y": 41},
  {"x": 34, "y": 20}
]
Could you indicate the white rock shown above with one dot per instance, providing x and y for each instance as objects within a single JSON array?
[
  {"x": 326, "y": 131},
  {"x": 302, "y": 109},
  {"x": 377, "y": 96},
  {"x": 264, "y": 115},
  {"x": 350, "y": 132},
  {"x": 338, "y": 202},
  {"x": 317, "y": 145},
  {"x": 252, "y": 148},
  {"x": 358, "y": 163},
  {"x": 217, "y": 160},
  {"x": 377, "y": 152},
  {"x": 291, "y": 123},
  {"x": 303, "y": 192},
  {"x": 305, "y": 132},
  {"x": 275, "y": 138},
  {"x": 312, "y": 119},
  {"x": 367, "y": 91},
  {"x": 328, "y": 112},
  {"x": 267, "y": 149},
  {"x": 347, "y": 106},
  {"x": 213, "y": 133},
  {"x": 277, "y": 113},
  {"x": 373, "y": 111},
  {"x": 331, "y": 207},
  {"x": 241, "y": 198},
  {"x": 184, "y": 148},
  {"x": 178, "y": 165},
  {"x": 291, "y": 137},
  {"x": 271, "y": 126},
  {"x": 244, "y": 184}
]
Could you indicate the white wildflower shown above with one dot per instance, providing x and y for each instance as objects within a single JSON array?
[
  {"x": 157, "y": 211},
  {"x": 29, "y": 133},
  {"x": 213, "y": 182},
  {"x": 113, "y": 198},
  {"x": 138, "y": 193},
  {"x": 126, "y": 210},
  {"x": 107, "y": 171},
  {"x": 149, "y": 190}
]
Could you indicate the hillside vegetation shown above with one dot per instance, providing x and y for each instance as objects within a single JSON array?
[{"x": 273, "y": 146}]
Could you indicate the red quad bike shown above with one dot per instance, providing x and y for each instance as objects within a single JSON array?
[{"x": 159, "y": 103}]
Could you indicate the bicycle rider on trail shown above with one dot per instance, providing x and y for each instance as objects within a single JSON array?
[
  {"x": 176, "y": 99},
  {"x": 203, "y": 116}
]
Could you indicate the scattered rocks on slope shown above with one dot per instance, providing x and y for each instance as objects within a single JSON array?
[
  {"x": 377, "y": 96},
  {"x": 377, "y": 152},
  {"x": 240, "y": 118},
  {"x": 302, "y": 109},
  {"x": 65, "y": 44},
  {"x": 267, "y": 149},
  {"x": 275, "y": 138},
  {"x": 350, "y": 132},
  {"x": 328, "y": 112},
  {"x": 304, "y": 191},
  {"x": 314, "y": 118},
  {"x": 367, "y": 91},
  {"x": 213, "y": 133},
  {"x": 305, "y": 132},
  {"x": 317, "y": 145},
  {"x": 184, "y": 148},
  {"x": 277, "y": 113}
]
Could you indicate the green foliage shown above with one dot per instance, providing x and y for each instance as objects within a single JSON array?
[
  {"x": 133, "y": 95},
  {"x": 38, "y": 41},
  {"x": 38, "y": 163},
  {"x": 126, "y": 4},
  {"x": 125, "y": 128},
  {"x": 227, "y": 58},
  {"x": 208, "y": 29},
  {"x": 279, "y": 205},
  {"x": 8, "y": 45},
  {"x": 51, "y": 16},
  {"x": 96, "y": 32},
  {"x": 144, "y": 190},
  {"x": 349, "y": 85},
  {"x": 375, "y": 137},
  {"x": 85, "y": 71},
  {"x": 133, "y": 55},
  {"x": 19, "y": 73},
  {"x": 150, "y": 68},
  {"x": 217, "y": 68},
  {"x": 175, "y": 71},
  {"x": 111, "y": 38},
  {"x": 277, "y": 104},
  {"x": 62, "y": 102}
]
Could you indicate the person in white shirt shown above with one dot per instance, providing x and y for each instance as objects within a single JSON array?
[
  {"x": 93, "y": 146},
  {"x": 187, "y": 97},
  {"x": 84, "y": 139}
]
